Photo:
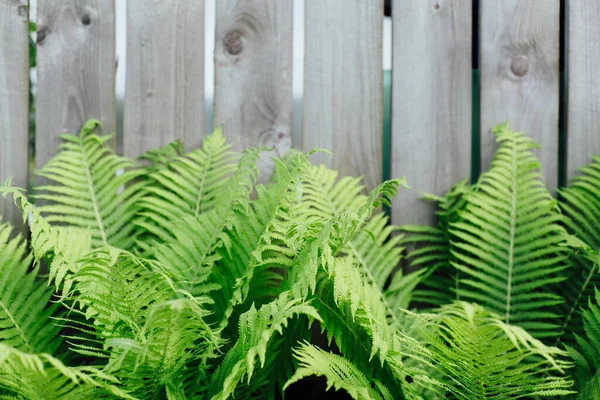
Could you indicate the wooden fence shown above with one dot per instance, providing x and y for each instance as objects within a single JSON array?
[{"x": 519, "y": 43}]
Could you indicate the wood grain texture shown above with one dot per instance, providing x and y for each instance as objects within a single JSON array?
[
  {"x": 431, "y": 102},
  {"x": 14, "y": 102},
  {"x": 343, "y": 85},
  {"x": 164, "y": 89},
  {"x": 253, "y": 75},
  {"x": 583, "y": 18},
  {"x": 75, "y": 69},
  {"x": 519, "y": 58}
]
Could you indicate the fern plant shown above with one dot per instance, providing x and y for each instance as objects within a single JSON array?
[{"x": 177, "y": 275}]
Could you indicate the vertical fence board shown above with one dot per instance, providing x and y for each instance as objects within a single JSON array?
[
  {"x": 519, "y": 56},
  {"x": 164, "y": 89},
  {"x": 343, "y": 93},
  {"x": 14, "y": 101},
  {"x": 584, "y": 83},
  {"x": 431, "y": 101},
  {"x": 75, "y": 69},
  {"x": 253, "y": 74}
]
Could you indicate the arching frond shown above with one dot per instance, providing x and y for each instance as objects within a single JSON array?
[
  {"x": 587, "y": 352},
  {"x": 60, "y": 246},
  {"x": 479, "y": 356},
  {"x": 340, "y": 374},
  {"x": 187, "y": 245},
  {"x": 257, "y": 242},
  {"x": 43, "y": 377},
  {"x": 117, "y": 290},
  {"x": 91, "y": 188},
  {"x": 26, "y": 310},
  {"x": 189, "y": 185},
  {"x": 174, "y": 339},
  {"x": 507, "y": 242},
  {"x": 580, "y": 203},
  {"x": 257, "y": 329}
]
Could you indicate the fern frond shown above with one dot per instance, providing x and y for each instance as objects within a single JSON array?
[
  {"x": 43, "y": 377},
  {"x": 191, "y": 184},
  {"x": 328, "y": 196},
  {"x": 174, "y": 338},
  {"x": 117, "y": 290},
  {"x": 257, "y": 242},
  {"x": 60, "y": 246},
  {"x": 187, "y": 246},
  {"x": 26, "y": 310},
  {"x": 580, "y": 203},
  {"x": 257, "y": 329},
  {"x": 479, "y": 356},
  {"x": 587, "y": 353},
  {"x": 92, "y": 188},
  {"x": 508, "y": 244},
  {"x": 340, "y": 374}
]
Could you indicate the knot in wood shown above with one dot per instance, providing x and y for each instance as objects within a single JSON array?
[
  {"x": 436, "y": 6},
  {"x": 520, "y": 65},
  {"x": 85, "y": 19},
  {"x": 233, "y": 42}
]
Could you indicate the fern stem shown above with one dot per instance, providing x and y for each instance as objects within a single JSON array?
[
  {"x": 14, "y": 322},
  {"x": 372, "y": 280},
  {"x": 91, "y": 188},
  {"x": 576, "y": 302},
  {"x": 201, "y": 186},
  {"x": 513, "y": 220}
]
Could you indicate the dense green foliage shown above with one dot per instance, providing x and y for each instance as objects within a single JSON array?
[{"x": 177, "y": 276}]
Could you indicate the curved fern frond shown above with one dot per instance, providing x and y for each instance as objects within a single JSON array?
[
  {"x": 479, "y": 356},
  {"x": 93, "y": 188},
  {"x": 507, "y": 242},
  {"x": 191, "y": 184},
  {"x": 26, "y": 310},
  {"x": 580, "y": 203},
  {"x": 257, "y": 329},
  {"x": 187, "y": 246},
  {"x": 328, "y": 196},
  {"x": 587, "y": 353},
  {"x": 60, "y": 246},
  {"x": 43, "y": 377},
  {"x": 340, "y": 374},
  {"x": 258, "y": 243},
  {"x": 174, "y": 339},
  {"x": 117, "y": 290}
]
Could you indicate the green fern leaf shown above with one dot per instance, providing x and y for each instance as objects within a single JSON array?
[
  {"x": 257, "y": 328},
  {"x": 155, "y": 363},
  {"x": 580, "y": 203},
  {"x": 43, "y": 377},
  {"x": 479, "y": 356},
  {"x": 587, "y": 353},
  {"x": 340, "y": 374},
  {"x": 92, "y": 188},
  {"x": 26, "y": 309},
  {"x": 508, "y": 244}
]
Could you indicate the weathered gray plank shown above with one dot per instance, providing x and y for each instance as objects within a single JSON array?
[
  {"x": 14, "y": 101},
  {"x": 431, "y": 102},
  {"x": 253, "y": 74},
  {"x": 164, "y": 89},
  {"x": 584, "y": 83},
  {"x": 519, "y": 55},
  {"x": 75, "y": 69},
  {"x": 343, "y": 78}
]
